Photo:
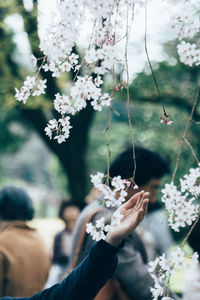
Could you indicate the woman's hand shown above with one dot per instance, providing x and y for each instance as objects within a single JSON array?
[{"x": 132, "y": 212}]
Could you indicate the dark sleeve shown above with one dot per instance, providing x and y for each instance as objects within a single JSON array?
[{"x": 87, "y": 279}]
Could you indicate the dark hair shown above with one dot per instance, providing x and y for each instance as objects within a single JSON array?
[
  {"x": 149, "y": 165},
  {"x": 194, "y": 238},
  {"x": 15, "y": 204},
  {"x": 64, "y": 204}
]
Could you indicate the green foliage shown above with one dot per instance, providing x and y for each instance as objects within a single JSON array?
[{"x": 12, "y": 135}]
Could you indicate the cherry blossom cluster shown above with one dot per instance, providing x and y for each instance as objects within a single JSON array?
[
  {"x": 110, "y": 20},
  {"x": 189, "y": 53},
  {"x": 191, "y": 182},
  {"x": 30, "y": 87},
  {"x": 161, "y": 269},
  {"x": 187, "y": 26},
  {"x": 114, "y": 196},
  {"x": 61, "y": 128},
  {"x": 181, "y": 204},
  {"x": 99, "y": 230},
  {"x": 63, "y": 31},
  {"x": 83, "y": 90},
  {"x": 61, "y": 36},
  {"x": 66, "y": 65}
]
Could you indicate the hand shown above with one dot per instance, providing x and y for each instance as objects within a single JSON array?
[{"x": 133, "y": 212}]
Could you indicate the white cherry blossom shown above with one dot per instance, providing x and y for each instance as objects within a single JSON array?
[
  {"x": 180, "y": 204},
  {"x": 161, "y": 269},
  {"x": 114, "y": 196}
]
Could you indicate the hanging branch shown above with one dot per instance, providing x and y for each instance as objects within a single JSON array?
[
  {"x": 192, "y": 150},
  {"x": 195, "y": 122},
  {"x": 128, "y": 96},
  {"x": 109, "y": 130},
  {"x": 150, "y": 65},
  {"x": 186, "y": 129}
]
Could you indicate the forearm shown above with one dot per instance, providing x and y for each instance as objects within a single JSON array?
[
  {"x": 91, "y": 275},
  {"x": 87, "y": 279}
]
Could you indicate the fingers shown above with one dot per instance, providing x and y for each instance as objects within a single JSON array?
[
  {"x": 145, "y": 205},
  {"x": 133, "y": 200},
  {"x": 141, "y": 201},
  {"x": 140, "y": 215},
  {"x": 143, "y": 210}
]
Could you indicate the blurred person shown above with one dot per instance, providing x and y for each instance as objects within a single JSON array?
[
  {"x": 155, "y": 232},
  {"x": 157, "y": 239},
  {"x": 101, "y": 262},
  {"x": 68, "y": 212},
  {"x": 24, "y": 262},
  {"x": 93, "y": 193},
  {"x": 132, "y": 270},
  {"x": 150, "y": 168},
  {"x": 191, "y": 281}
]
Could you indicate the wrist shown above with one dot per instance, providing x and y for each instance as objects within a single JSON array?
[{"x": 112, "y": 240}]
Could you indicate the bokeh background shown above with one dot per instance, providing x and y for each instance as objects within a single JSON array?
[{"x": 51, "y": 172}]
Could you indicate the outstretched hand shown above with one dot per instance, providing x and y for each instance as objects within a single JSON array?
[{"x": 132, "y": 213}]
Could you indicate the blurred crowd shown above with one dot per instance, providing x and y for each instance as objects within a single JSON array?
[{"x": 26, "y": 267}]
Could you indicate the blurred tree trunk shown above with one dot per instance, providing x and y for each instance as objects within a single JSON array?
[{"x": 72, "y": 153}]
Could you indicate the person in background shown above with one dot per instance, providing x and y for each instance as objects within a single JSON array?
[
  {"x": 191, "y": 282},
  {"x": 100, "y": 264},
  {"x": 24, "y": 261},
  {"x": 69, "y": 213},
  {"x": 154, "y": 231},
  {"x": 132, "y": 271}
]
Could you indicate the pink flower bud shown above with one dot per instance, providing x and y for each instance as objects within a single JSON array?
[
  {"x": 126, "y": 182},
  {"x": 168, "y": 122}
]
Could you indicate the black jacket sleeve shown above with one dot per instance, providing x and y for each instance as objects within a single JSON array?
[{"x": 86, "y": 280}]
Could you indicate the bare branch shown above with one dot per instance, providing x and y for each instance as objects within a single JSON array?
[
  {"x": 191, "y": 148},
  {"x": 185, "y": 132},
  {"x": 128, "y": 99},
  {"x": 150, "y": 65}
]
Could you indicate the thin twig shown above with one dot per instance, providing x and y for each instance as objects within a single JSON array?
[
  {"x": 150, "y": 65},
  {"x": 41, "y": 65},
  {"x": 195, "y": 122},
  {"x": 109, "y": 129},
  {"x": 189, "y": 232},
  {"x": 185, "y": 132},
  {"x": 177, "y": 163},
  {"x": 128, "y": 99},
  {"x": 108, "y": 144},
  {"x": 192, "y": 150}
]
